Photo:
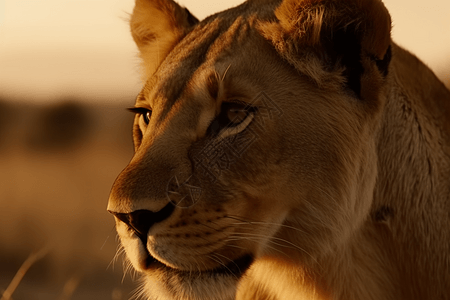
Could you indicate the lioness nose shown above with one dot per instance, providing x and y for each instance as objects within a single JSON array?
[{"x": 141, "y": 220}]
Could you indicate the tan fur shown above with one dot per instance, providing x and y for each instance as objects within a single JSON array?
[
  {"x": 343, "y": 189},
  {"x": 156, "y": 26}
]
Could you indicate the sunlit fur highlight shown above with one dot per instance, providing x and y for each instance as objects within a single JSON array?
[
  {"x": 344, "y": 195},
  {"x": 156, "y": 26}
]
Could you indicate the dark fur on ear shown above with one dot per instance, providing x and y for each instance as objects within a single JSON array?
[
  {"x": 350, "y": 37},
  {"x": 192, "y": 20}
]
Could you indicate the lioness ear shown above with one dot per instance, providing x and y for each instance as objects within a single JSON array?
[
  {"x": 353, "y": 35},
  {"x": 156, "y": 27}
]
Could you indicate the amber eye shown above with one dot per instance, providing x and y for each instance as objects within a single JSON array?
[
  {"x": 235, "y": 115},
  {"x": 231, "y": 115},
  {"x": 147, "y": 116},
  {"x": 144, "y": 112}
]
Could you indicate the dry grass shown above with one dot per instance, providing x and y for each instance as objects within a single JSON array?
[
  {"x": 69, "y": 287},
  {"x": 54, "y": 189},
  {"x": 27, "y": 264}
]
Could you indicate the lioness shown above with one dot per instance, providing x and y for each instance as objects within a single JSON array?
[{"x": 285, "y": 149}]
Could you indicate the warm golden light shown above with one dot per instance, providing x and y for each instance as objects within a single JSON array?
[
  {"x": 56, "y": 172},
  {"x": 55, "y": 48}
]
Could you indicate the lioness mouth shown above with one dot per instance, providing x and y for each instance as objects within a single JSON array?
[{"x": 234, "y": 268}]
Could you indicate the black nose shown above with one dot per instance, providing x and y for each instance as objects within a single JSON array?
[{"x": 141, "y": 220}]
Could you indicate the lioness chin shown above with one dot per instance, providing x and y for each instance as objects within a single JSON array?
[{"x": 285, "y": 149}]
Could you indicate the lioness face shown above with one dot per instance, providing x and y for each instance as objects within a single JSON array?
[{"x": 241, "y": 160}]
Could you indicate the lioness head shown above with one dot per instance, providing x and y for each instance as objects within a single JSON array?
[{"x": 254, "y": 143}]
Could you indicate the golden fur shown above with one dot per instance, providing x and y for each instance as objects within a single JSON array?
[{"x": 335, "y": 185}]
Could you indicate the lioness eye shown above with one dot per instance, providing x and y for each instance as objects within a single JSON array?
[
  {"x": 236, "y": 115},
  {"x": 232, "y": 114},
  {"x": 144, "y": 112},
  {"x": 147, "y": 116}
]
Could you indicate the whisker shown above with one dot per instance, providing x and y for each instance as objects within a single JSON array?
[
  {"x": 139, "y": 292},
  {"x": 260, "y": 238},
  {"x": 226, "y": 258},
  {"x": 128, "y": 268},
  {"x": 248, "y": 222},
  {"x": 231, "y": 240},
  {"x": 216, "y": 259},
  {"x": 276, "y": 238},
  {"x": 252, "y": 239},
  {"x": 120, "y": 251},
  {"x": 215, "y": 229}
]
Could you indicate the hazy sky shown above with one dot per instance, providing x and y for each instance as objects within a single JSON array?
[{"x": 82, "y": 48}]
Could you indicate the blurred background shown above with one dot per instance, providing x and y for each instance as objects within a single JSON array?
[{"x": 68, "y": 70}]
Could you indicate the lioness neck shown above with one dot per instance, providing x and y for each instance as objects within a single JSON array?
[
  {"x": 402, "y": 249},
  {"x": 408, "y": 232}
]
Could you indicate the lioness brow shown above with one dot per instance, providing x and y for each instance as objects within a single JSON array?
[{"x": 138, "y": 110}]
